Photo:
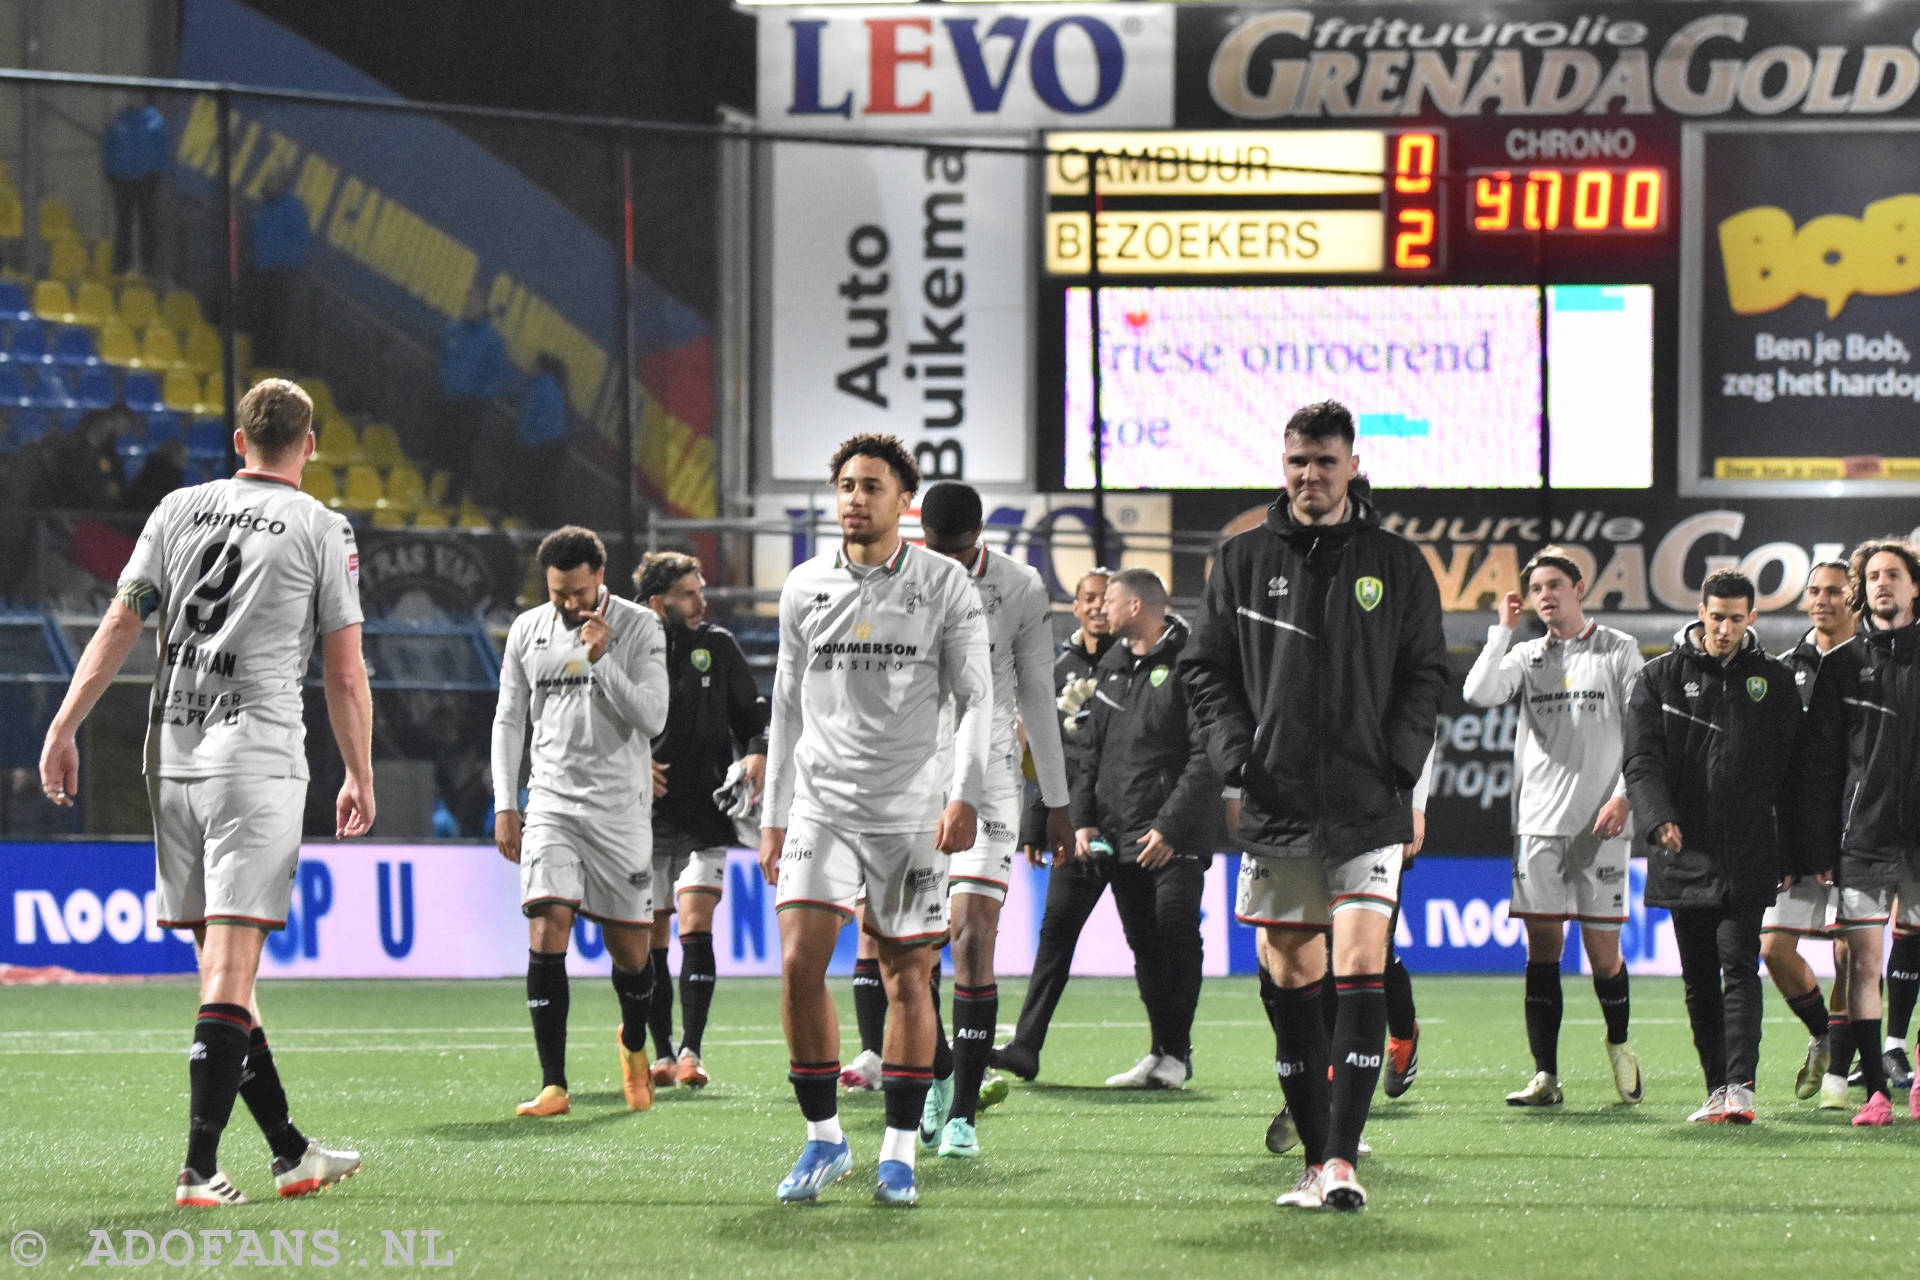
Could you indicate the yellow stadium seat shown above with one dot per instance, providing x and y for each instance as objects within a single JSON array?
[
  {"x": 382, "y": 446},
  {"x": 101, "y": 266},
  {"x": 181, "y": 390},
  {"x": 389, "y": 518},
  {"x": 430, "y": 518},
  {"x": 213, "y": 395},
  {"x": 472, "y": 517},
  {"x": 93, "y": 303},
  {"x": 181, "y": 310},
  {"x": 51, "y": 301},
  {"x": 405, "y": 490},
  {"x": 138, "y": 306},
  {"x": 339, "y": 443},
  {"x": 56, "y": 220},
  {"x": 117, "y": 343},
  {"x": 159, "y": 349},
  {"x": 321, "y": 394},
  {"x": 363, "y": 490},
  {"x": 67, "y": 260},
  {"x": 513, "y": 524},
  {"x": 202, "y": 352},
  {"x": 437, "y": 488},
  {"x": 318, "y": 481},
  {"x": 13, "y": 216}
]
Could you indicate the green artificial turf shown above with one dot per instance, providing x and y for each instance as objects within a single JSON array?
[{"x": 1075, "y": 1180}]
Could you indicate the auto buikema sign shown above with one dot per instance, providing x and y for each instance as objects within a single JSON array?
[{"x": 973, "y": 68}]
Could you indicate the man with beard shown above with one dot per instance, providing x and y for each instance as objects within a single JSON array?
[{"x": 714, "y": 713}]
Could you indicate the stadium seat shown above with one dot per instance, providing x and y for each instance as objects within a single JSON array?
[
  {"x": 92, "y": 303},
  {"x": 362, "y": 491},
  {"x": 13, "y": 215},
  {"x": 319, "y": 482},
  {"x": 50, "y": 390},
  {"x": 100, "y": 270},
  {"x": 67, "y": 260},
  {"x": 13, "y": 302},
  {"x": 339, "y": 443},
  {"x": 389, "y": 518},
  {"x": 29, "y": 344},
  {"x": 437, "y": 488},
  {"x": 163, "y": 428},
  {"x": 513, "y": 523},
  {"x": 202, "y": 352},
  {"x": 207, "y": 438},
  {"x": 472, "y": 517},
  {"x": 142, "y": 393},
  {"x": 117, "y": 343},
  {"x": 51, "y": 301},
  {"x": 322, "y": 396},
  {"x": 213, "y": 396},
  {"x": 160, "y": 349},
  {"x": 56, "y": 220},
  {"x": 430, "y": 518},
  {"x": 74, "y": 346},
  {"x": 181, "y": 310},
  {"x": 381, "y": 445},
  {"x": 133, "y": 456},
  {"x": 405, "y": 490},
  {"x": 14, "y": 391},
  {"x": 138, "y": 306},
  {"x": 95, "y": 389},
  {"x": 181, "y": 390}
]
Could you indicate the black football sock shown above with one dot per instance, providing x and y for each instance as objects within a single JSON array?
[
  {"x": 1811, "y": 1008},
  {"x": 1358, "y": 1041},
  {"x": 1401, "y": 1018},
  {"x": 1866, "y": 1039},
  {"x": 547, "y": 999},
  {"x": 1269, "y": 997},
  {"x": 813, "y": 1088},
  {"x": 635, "y": 989},
  {"x": 1903, "y": 984},
  {"x": 696, "y": 988},
  {"x": 1839, "y": 1045},
  {"x": 260, "y": 1087},
  {"x": 1543, "y": 1015},
  {"x": 213, "y": 1074},
  {"x": 942, "y": 1051},
  {"x": 976, "y": 1011},
  {"x": 905, "y": 1089},
  {"x": 1612, "y": 994},
  {"x": 660, "y": 1012},
  {"x": 1304, "y": 1054},
  {"x": 1329, "y": 1000},
  {"x": 870, "y": 1005}
]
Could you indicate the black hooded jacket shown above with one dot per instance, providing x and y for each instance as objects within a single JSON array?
[
  {"x": 1316, "y": 670},
  {"x": 713, "y": 710},
  {"x": 1143, "y": 766},
  {"x": 1073, "y": 663},
  {"x": 1861, "y": 777},
  {"x": 1711, "y": 745}
]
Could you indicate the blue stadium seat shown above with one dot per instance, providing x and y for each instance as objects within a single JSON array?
[
  {"x": 74, "y": 345},
  {"x": 69, "y": 420},
  {"x": 94, "y": 389},
  {"x": 14, "y": 304},
  {"x": 30, "y": 427},
  {"x": 14, "y": 392},
  {"x": 50, "y": 391},
  {"x": 163, "y": 428},
  {"x": 133, "y": 456},
  {"x": 207, "y": 438},
  {"x": 141, "y": 393},
  {"x": 29, "y": 343}
]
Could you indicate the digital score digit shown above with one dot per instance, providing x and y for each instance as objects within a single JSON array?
[
  {"x": 1414, "y": 224},
  {"x": 1554, "y": 201}
]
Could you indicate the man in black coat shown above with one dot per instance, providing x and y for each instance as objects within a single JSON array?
[
  {"x": 1146, "y": 799},
  {"x": 714, "y": 713},
  {"x": 1317, "y": 668},
  {"x": 1861, "y": 775},
  {"x": 1712, "y": 730}
]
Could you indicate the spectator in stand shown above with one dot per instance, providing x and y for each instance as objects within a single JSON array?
[
  {"x": 81, "y": 471},
  {"x": 278, "y": 232},
  {"x": 473, "y": 370},
  {"x": 134, "y": 154},
  {"x": 543, "y": 441},
  {"x": 165, "y": 471}
]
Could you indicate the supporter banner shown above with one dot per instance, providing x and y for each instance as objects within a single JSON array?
[
  {"x": 1591, "y": 62},
  {"x": 899, "y": 297},
  {"x": 1001, "y": 69}
]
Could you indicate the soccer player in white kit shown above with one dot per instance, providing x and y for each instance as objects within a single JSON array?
[
  {"x": 591, "y": 671},
  {"x": 1570, "y": 812},
  {"x": 1020, "y": 643},
  {"x": 240, "y": 576},
  {"x": 873, "y": 639}
]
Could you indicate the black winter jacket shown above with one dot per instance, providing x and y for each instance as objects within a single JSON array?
[
  {"x": 1143, "y": 765},
  {"x": 1074, "y": 663},
  {"x": 1711, "y": 746},
  {"x": 713, "y": 710},
  {"x": 1316, "y": 670},
  {"x": 1861, "y": 778}
]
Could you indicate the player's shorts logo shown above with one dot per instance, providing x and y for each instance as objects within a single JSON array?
[
  {"x": 1158, "y": 677},
  {"x": 1369, "y": 591},
  {"x": 702, "y": 660},
  {"x": 1756, "y": 687},
  {"x": 639, "y": 879}
]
